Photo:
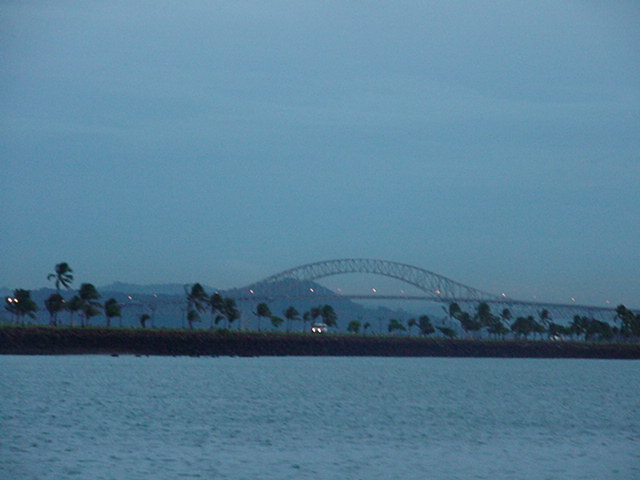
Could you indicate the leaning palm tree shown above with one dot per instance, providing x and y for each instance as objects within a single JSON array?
[
  {"x": 192, "y": 317},
  {"x": 545, "y": 317},
  {"x": 262, "y": 310},
  {"x": 291, "y": 314},
  {"x": 74, "y": 305},
  {"x": 197, "y": 298},
  {"x": 54, "y": 305},
  {"x": 328, "y": 315},
  {"x": 231, "y": 312},
  {"x": 216, "y": 304},
  {"x": 112, "y": 309},
  {"x": 63, "y": 276},
  {"x": 276, "y": 321},
  {"x": 21, "y": 305},
  {"x": 90, "y": 306}
]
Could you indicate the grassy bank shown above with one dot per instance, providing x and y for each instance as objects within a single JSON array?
[{"x": 64, "y": 340}]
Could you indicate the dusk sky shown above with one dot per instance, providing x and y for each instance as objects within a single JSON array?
[{"x": 495, "y": 143}]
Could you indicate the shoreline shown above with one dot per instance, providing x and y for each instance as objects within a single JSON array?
[{"x": 39, "y": 340}]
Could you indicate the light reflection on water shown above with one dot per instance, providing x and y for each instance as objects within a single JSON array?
[{"x": 318, "y": 418}]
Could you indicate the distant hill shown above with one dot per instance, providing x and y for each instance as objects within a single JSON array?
[{"x": 160, "y": 289}]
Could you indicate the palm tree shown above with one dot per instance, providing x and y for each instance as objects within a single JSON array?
[
  {"x": 523, "y": 326},
  {"x": 112, "y": 309},
  {"x": 21, "y": 305},
  {"x": 231, "y": 313},
  {"x": 545, "y": 317},
  {"x": 629, "y": 322},
  {"x": 425, "y": 326},
  {"x": 365, "y": 327},
  {"x": 262, "y": 310},
  {"x": 143, "y": 319},
  {"x": 447, "y": 332},
  {"x": 353, "y": 327},
  {"x": 276, "y": 321},
  {"x": 54, "y": 305},
  {"x": 395, "y": 324},
  {"x": 291, "y": 314},
  {"x": 310, "y": 316},
  {"x": 484, "y": 315},
  {"x": 74, "y": 305},
  {"x": 197, "y": 299},
  {"x": 90, "y": 307},
  {"x": 579, "y": 325},
  {"x": 192, "y": 317},
  {"x": 468, "y": 324},
  {"x": 329, "y": 316},
  {"x": 454, "y": 310},
  {"x": 216, "y": 302},
  {"x": 63, "y": 276}
]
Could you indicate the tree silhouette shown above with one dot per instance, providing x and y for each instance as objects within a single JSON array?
[
  {"x": 217, "y": 305},
  {"x": 21, "y": 305},
  {"x": 447, "y": 332},
  {"x": 629, "y": 322},
  {"x": 353, "y": 327},
  {"x": 291, "y": 314},
  {"x": 231, "y": 313},
  {"x": 192, "y": 317},
  {"x": 468, "y": 323},
  {"x": 262, "y": 310},
  {"x": 143, "y": 319},
  {"x": 90, "y": 307},
  {"x": 545, "y": 317},
  {"x": 197, "y": 300},
  {"x": 425, "y": 326},
  {"x": 112, "y": 309},
  {"x": 329, "y": 316},
  {"x": 276, "y": 321},
  {"x": 395, "y": 325},
  {"x": 54, "y": 305},
  {"x": 63, "y": 276},
  {"x": 73, "y": 306}
]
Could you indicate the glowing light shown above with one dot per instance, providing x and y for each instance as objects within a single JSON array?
[
  {"x": 504, "y": 295},
  {"x": 374, "y": 290},
  {"x": 130, "y": 297},
  {"x": 251, "y": 291},
  {"x": 311, "y": 290},
  {"x": 573, "y": 299},
  {"x": 437, "y": 292}
]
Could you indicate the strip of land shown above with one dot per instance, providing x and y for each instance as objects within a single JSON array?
[{"x": 33, "y": 340}]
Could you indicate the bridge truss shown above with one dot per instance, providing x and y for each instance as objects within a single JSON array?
[{"x": 290, "y": 284}]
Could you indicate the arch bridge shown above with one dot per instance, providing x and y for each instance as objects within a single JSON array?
[{"x": 289, "y": 284}]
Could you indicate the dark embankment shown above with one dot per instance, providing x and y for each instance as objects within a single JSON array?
[{"x": 56, "y": 341}]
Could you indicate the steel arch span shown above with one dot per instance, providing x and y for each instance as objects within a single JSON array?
[{"x": 436, "y": 287}]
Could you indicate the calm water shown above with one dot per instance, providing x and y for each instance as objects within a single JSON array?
[{"x": 100, "y": 417}]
